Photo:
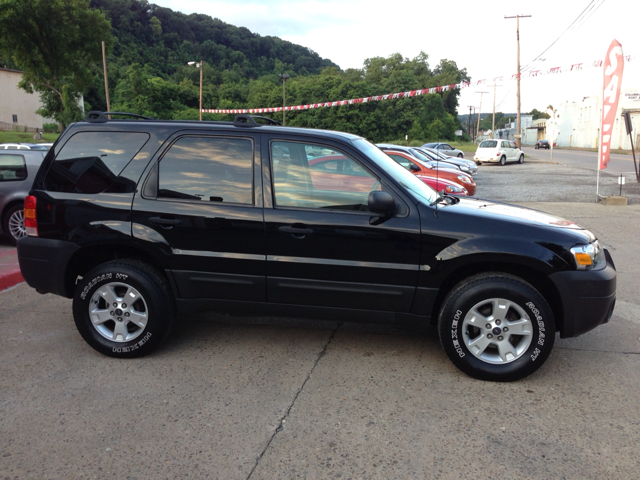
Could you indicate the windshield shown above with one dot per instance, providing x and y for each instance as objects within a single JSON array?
[
  {"x": 434, "y": 153},
  {"x": 489, "y": 144},
  {"x": 404, "y": 177}
]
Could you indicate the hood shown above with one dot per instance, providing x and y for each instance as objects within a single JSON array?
[{"x": 528, "y": 216}]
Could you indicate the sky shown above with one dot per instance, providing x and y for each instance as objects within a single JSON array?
[{"x": 474, "y": 34}]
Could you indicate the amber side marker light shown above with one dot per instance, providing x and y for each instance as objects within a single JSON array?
[
  {"x": 583, "y": 259},
  {"x": 30, "y": 221}
]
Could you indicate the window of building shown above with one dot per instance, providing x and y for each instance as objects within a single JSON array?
[{"x": 15, "y": 118}]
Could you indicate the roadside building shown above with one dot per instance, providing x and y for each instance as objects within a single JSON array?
[
  {"x": 17, "y": 107},
  {"x": 579, "y": 122}
]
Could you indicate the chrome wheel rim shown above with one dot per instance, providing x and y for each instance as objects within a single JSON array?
[
  {"x": 118, "y": 312},
  {"x": 497, "y": 331},
  {"x": 16, "y": 224}
]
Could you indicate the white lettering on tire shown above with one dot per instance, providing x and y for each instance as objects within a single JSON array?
[
  {"x": 92, "y": 283},
  {"x": 541, "y": 335},
  {"x": 454, "y": 333}
]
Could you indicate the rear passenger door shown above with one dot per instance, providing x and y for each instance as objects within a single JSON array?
[{"x": 201, "y": 207}]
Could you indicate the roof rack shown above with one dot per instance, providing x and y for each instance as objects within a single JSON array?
[
  {"x": 96, "y": 116},
  {"x": 243, "y": 120}
]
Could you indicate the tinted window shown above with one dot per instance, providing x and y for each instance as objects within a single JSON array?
[
  {"x": 489, "y": 144},
  {"x": 12, "y": 168},
  {"x": 90, "y": 161},
  {"x": 334, "y": 181},
  {"x": 208, "y": 169}
]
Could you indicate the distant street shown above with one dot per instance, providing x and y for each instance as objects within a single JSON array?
[{"x": 618, "y": 164}]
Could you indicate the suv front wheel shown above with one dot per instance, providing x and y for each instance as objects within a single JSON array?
[
  {"x": 496, "y": 327},
  {"x": 123, "y": 308}
]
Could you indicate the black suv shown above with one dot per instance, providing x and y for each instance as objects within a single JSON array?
[{"x": 141, "y": 220}]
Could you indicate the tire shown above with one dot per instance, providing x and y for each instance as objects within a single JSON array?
[
  {"x": 503, "y": 160},
  {"x": 487, "y": 353},
  {"x": 461, "y": 155},
  {"x": 537, "y": 146},
  {"x": 521, "y": 158},
  {"x": 123, "y": 329},
  {"x": 13, "y": 224}
]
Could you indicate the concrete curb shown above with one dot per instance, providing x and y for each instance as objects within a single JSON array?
[{"x": 10, "y": 274}]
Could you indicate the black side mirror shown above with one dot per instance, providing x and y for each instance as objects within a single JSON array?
[
  {"x": 381, "y": 203},
  {"x": 413, "y": 167}
]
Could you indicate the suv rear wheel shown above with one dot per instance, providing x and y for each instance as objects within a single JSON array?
[
  {"x": 123, "y": 308},
  {"x": 496, "y": 327}
]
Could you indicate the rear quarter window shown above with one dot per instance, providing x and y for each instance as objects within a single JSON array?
[
  {"x": 90, "y": 161},
  {"x": 12, "y": 168}
]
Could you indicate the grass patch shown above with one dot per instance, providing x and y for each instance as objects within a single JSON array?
[{"x": 25, "y": 137}]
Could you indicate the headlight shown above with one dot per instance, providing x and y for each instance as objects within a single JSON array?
[
  {"x": 464, "y": 179},
  {"x": 455, "y": 189},
  {"x": 587, "y": 256}
]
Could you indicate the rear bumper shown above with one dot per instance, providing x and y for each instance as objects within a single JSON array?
[
  {"x": 588, "y": 297},
  {"x": 43, "y": 263}
]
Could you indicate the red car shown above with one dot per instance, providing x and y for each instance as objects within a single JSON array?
[
  {"x": 443, "y": 185},
  {"x": 418, "y": 168}
]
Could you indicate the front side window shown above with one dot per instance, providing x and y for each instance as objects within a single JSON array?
[
  {"x": 208, "y": 169},
  {"x": 312, "y": 176},
  {"x": 90, "y": 161},
  {"x": 12, "y": 168}
]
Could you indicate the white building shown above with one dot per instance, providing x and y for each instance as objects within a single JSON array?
[
  {"x": 17, "y": 107},
  {"x": 579, "y": 122}
]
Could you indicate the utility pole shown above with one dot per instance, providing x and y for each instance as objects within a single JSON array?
[
  {"x": 518, "y": 124},
  {"x": 479, "y": 113},
  {"x": 493, "y": 122},
  {"x": 469, "y": 121},
  {"x": 283, "y": 77},
  {"x": 106, "y": 82}
]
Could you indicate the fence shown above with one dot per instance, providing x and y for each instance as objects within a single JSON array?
[{"x": 12, "y": 127}]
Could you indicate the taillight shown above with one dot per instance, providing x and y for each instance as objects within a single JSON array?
[{"x": 30, "y": 220}]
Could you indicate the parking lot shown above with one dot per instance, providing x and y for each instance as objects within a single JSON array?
[{"x": 271, "y": 398}]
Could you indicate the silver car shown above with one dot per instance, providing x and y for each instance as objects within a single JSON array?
[
  {"x": 445, "y": 149},
  {"x": 17, "y": 171}
]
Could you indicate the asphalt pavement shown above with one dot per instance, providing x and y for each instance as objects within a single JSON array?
[{"x": 271, "y": 398}]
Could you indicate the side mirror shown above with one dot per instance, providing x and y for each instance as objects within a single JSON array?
[
  {"x": 381, "y": 203},
  {"x": 414, "y": 168}
]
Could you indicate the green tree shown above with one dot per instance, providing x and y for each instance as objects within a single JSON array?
[
  {"x": 54, "y": 43},
  {"x": 538, "y": 114}
]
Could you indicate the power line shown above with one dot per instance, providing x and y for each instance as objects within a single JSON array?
[{"x": 579, "y": 19}]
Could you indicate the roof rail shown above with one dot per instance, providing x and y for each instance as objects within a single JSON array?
[
  {"x": 96, "y": 116},
  {"x": 243, "y": 120}
]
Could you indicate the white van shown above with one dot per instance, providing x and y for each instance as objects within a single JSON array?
[{"x": 498, "y": 151}]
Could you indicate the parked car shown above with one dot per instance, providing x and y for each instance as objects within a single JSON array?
[
  {"x": 17, "y": 171},
  {"x": 417, "y": 167},
  {"x": 498, "y": 151},
  {"x": 446, "y": 149},
  {"x": 141, "y": 220},
  {"x": 466, "y": 166},
  {"x": 422, "y": 156},
  {"x": 25, "y": 146},
  {"x": 443, "y": 186},
  {"x": 543, "y": 144}
]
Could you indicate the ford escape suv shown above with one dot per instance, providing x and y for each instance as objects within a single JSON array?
[{"x": 139, "y": 221}]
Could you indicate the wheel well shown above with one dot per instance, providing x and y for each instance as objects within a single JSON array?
[
  {"x": 538, "y": 280},
  {"x": 90, "y": 257}
]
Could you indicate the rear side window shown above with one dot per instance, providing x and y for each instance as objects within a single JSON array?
[
  {"x": 208, "y": 169},
  {"x": 90, "y": 161},
  {"x": 12, "y": 168},
  {"x": 489, "y": 144}
]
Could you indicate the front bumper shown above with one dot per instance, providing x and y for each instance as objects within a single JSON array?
[
  {"x": 43, "y": 263},
  {"x": 588, "y": 297}
]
